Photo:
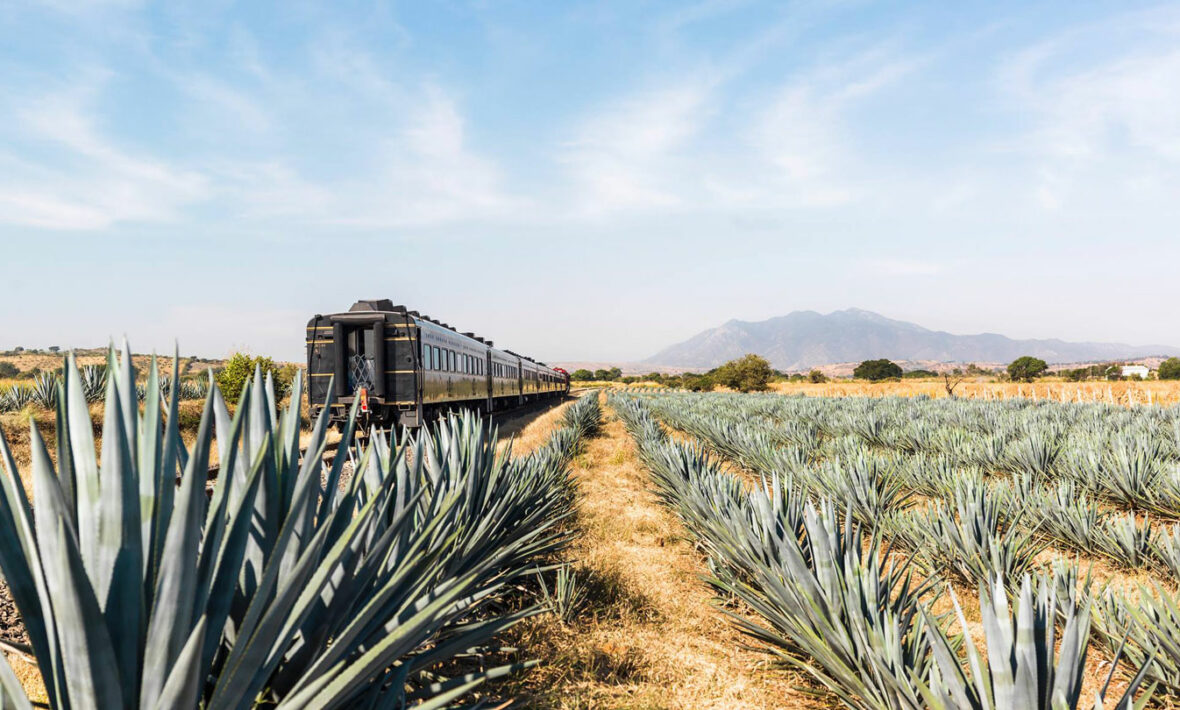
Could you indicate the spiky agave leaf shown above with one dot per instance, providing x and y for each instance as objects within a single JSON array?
[{"x": 1027, "y": 665}]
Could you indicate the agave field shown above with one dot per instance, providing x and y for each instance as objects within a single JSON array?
[
  {"x": 92, "y": 379},
  {"x": 290, "y": 586},
  {"x": 842, "y": 523}
]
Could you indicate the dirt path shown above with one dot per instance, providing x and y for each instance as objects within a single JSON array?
[{"x": 650, "y": 637}]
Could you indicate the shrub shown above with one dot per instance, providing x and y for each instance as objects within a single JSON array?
[
  {"x": 816, "y": 377},
  {"x": 1170, "y": 369},
  {"x": 240, "y": 368},
  {"x": 7, "y": 369},
  {"x": 875, "y": 370},
  {"x": 747, "y": 374},
  {"x": 1026, "y": 368}
]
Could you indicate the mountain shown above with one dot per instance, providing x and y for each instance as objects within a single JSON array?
[{"x": 806, "y": 339}]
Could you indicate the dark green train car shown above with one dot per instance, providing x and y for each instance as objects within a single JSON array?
[{"x": 407, "y": 368}]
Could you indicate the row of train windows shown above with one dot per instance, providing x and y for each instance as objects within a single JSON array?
[{"x": 436, "y": 358}]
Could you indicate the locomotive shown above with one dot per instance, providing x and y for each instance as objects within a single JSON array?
[{"x": 406, "y": 368}]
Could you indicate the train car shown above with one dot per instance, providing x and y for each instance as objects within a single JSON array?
[{"x": 407, "y": 368}]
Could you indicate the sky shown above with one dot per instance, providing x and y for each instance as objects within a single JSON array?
[{"x": 585, "y": 181}]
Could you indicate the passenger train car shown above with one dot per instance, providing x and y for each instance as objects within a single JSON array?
[{"x": 406, "y": 368}]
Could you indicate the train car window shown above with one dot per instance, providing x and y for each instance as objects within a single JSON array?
[
  {"x": 451, "y": 360},
  {"x": 437, "y": 358}
]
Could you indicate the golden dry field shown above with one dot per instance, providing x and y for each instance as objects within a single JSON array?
[{"x": 1165, "y": 392}]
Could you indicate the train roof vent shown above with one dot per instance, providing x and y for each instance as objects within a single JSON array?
[
  {"x": 490, "y": 343},
  {"x": 398, "y": 309},
  {"x": 470, "y": 335},
  {"x": 415, "y": 313},
  {"x": 372, "y": 304}
]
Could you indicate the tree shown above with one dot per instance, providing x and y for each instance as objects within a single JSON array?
[
  {"x": 1026, "y": 368},
  {"x": 816, "y": 377},
  {"x": 746, "y": 374},
  {"x": 951, "y": 380},
  {"x": 874, "y": 370},
  {"x": 919, "y": 374},
  {"x": 696, "y": 383},
  {"x": 1170, "y": 369},
  {"x": 582, "y": 375}
]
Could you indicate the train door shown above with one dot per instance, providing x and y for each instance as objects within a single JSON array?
[
  {"x": 361, "y": 358},
  {"x": 360, "y": 350}
]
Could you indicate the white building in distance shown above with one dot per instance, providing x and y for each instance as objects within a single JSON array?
[{"x": 1135, "y": 371}]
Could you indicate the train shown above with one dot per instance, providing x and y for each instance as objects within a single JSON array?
[{"x": 406, "y": 368}]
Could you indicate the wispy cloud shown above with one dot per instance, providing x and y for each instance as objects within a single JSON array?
[
  {"x": 632, "y": 153},
  {"x": 1111, "y": 115},
  {"x": 94, "y": 182}
]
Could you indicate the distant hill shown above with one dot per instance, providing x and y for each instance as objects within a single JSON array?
[{"x": 805, "y": 339}]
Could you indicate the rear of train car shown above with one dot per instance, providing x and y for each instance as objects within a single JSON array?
[{"x": 406, "y": 368}]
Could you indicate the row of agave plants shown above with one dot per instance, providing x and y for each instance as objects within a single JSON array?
[
  {"x": 834, "y": 603},
  {"x": 42, "y": 391},
  {"x": 288, "y": 586},
  {"x": 1102, "y": 509},
  {"x": 1035, "y": 509},
  {"x": 973, "y": 526},
  {"x": 1125, "y": 455}
]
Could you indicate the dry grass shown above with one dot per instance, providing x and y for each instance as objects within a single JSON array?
[
  {"x": 48, "y": 362},
  {"x": 650, "y": 636},
  {"x": 525, "y": 432},
  {"x": 1126, "y": 393}
]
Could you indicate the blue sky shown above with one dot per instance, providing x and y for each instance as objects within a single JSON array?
[{"x": 585, "y": 181}]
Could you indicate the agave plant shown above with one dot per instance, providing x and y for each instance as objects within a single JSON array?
[
  {"x": 1027, "y": 665},
  {"x": 1067, "y": 515},
  {"x": 866, "y": 486},
  {"x": 136, "y": 592},
  {"x": 94, "y": 382},
  {"x": 16, "y": 398},
  {"x": 584, "y": 417},
  {"x": 44, "y": 390},
  {"x": 837, "y": 613},
  {"x": 567, "y": 596},
  {"x": 1126, "y": 540},
  {"x": 1037, "y": 453},
  {"x": 970, "y": 541}
]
